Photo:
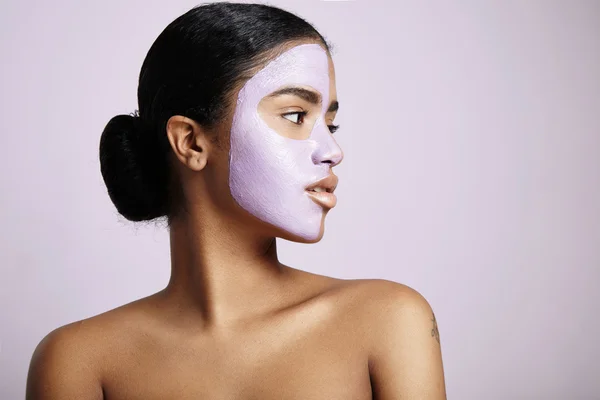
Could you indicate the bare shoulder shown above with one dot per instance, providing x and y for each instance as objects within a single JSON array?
[
  {"x": 385, "y": 288},
  {"x": 68, "y": 362},
  {"x": 63, "y": 365},
  {"x": 388, "y": 298},
  {"x": 377, "y": 306},
  {"x": 402, "y": 337},
  {"x": 378, "y": 300},
  {"x": 390, "y": 309},
  {"x": 398, "y": 329}
]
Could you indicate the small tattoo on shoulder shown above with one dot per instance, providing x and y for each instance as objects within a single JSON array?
[{"x": 434, "y": 331}]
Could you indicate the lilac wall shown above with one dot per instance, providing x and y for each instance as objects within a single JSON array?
[{"x": 472, "y": 172}]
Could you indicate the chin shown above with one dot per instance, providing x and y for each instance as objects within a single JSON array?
[{"x": 308, "y": 236}]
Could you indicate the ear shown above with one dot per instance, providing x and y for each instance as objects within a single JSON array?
[{"x": 189, "y": 141}]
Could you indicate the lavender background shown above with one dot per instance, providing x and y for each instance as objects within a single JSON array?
[{"x": 471, "y": 134}]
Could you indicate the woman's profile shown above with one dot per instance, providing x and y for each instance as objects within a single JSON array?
[{"x": 233, "y": 144}]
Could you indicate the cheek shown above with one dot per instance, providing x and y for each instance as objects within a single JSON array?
[
  {"x": 278, "y": 160},
  {"x": 269, "y": 174},
  {"x": 217, "y": 177}
]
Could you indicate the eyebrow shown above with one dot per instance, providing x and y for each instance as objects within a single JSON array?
[
  {"x": 305, "y": 94},
  {"x": 334, "y": 106}
]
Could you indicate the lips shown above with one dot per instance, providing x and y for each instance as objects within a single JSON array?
[{"x": 321, "y": 192}]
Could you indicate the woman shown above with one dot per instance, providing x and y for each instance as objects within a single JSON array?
[{"x": 234, "y": 145}]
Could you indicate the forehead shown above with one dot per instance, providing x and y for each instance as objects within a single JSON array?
[{"x": 303, "y": 65}]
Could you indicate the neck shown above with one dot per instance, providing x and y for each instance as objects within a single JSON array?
[{"x": 221, "y": 273}]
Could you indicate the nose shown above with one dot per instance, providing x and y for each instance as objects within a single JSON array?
[
  {"x": 334, "y": 157},
  {"x": 328, "y": 151}
]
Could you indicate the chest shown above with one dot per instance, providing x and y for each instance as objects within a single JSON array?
[{"x": 278, "y": 363}]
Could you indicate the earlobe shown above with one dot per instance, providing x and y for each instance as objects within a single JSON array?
[{"x": 188, "y": 141}]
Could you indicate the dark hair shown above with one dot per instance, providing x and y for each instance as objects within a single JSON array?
[{"x": 189, "y": 70}]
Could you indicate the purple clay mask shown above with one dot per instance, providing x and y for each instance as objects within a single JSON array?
[{"x": 270, "y": 173}]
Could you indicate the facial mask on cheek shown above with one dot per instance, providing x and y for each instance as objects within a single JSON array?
[{"x": 269, "y": 172}]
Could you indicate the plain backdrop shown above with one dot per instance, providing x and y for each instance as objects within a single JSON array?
[{"x": 471, "y": 132}]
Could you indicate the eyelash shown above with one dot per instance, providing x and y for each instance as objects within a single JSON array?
[{"x": 332, "y": 128}]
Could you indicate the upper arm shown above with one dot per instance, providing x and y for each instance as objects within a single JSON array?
[
  {"x": 405, "y": 360},
  {"x": 60, "y": 370}
]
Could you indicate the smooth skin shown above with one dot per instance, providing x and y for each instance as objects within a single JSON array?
[{"x": 233, "y": 322}]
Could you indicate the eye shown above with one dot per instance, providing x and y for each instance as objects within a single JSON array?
[
  {"x": 333, "y": 128},
  {"x": 297, "y": 117}
]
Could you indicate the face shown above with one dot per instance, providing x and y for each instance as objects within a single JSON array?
[{"x": 282, "y": 148}]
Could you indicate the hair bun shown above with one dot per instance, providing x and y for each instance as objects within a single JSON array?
[{"x": 134, "y": 172}]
